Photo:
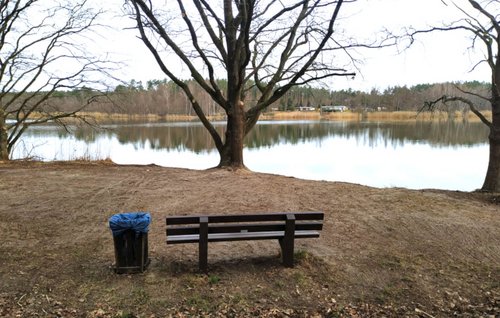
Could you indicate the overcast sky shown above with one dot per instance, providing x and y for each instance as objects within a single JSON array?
[{"x": 436, "y": 57}]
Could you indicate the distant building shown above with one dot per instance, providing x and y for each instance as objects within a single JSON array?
[
  {"x": 306, "y": 109},
  {"x": 334, "y": 109}
]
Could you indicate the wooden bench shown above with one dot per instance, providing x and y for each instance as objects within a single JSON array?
[{"x": 284, "y": 227}]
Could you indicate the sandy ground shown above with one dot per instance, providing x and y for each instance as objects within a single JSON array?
[{"x": 404, "y": 252}]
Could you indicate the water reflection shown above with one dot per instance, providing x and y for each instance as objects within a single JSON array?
[
  {"x": 435, "y": 133},
  {"x": 194, "y": 137},
  {"x": 407, "y": 154}
]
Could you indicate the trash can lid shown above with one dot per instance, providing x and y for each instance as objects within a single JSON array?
[{"x": 137, "y": 221}]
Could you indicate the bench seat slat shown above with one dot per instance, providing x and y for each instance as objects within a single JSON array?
[
  {"x": 241, "y": 236},
  {"x": 236, "y": 228},
  {"x": 299, "y": 216}
]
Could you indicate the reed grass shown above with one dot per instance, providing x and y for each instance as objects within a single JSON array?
[
  {"x": 281, "y": 115},
  {"x": 99, "y": 117},
  {"x": 375, "y": 116}
]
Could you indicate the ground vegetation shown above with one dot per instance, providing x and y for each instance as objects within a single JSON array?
[{"x": 382, "y": 253}]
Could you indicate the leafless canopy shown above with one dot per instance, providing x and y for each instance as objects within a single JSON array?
[
  {"x": 483, "y": 25},
  {"x": 260, "y": 48},
  {"x": 40, "y": 53},
  {"x": 481, "y": 21}
]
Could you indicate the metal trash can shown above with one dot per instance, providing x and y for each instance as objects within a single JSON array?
[{"x": 130, "y": 236}]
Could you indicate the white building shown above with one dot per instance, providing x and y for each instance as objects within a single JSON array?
[{"x": 334, "y": 109}]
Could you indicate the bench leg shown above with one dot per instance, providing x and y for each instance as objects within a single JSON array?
[
  {"x": 203, "y": 256},
  {"x": 203, "y": 245},
  {"x": 287, "y": 243},
  {"x": 287, "y": 252}
]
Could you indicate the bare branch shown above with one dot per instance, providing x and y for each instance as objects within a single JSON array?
[
  {"x": 139, "y": 6},
  {"x": 33, "y": 47},
  {"x": 473, "y": 94},
  {"x": 433, "y": 105},
  {"x": 271, "y": 45},
  {"x": 213, "y": 132}
]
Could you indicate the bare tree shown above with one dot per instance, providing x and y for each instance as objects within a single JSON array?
[
  {"x": 268, "y": 45},
  {"x": 482, "y": 22},
  {"x": 40, "y": 53}
]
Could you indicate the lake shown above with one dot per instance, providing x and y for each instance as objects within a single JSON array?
[{"x": 419, "y": 154}]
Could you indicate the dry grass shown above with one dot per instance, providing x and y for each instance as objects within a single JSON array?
[
  {"x": 382, "y": 252},
  {"x": 99, "y": 117},
  {"x": 404, "y": 116},
  {"x": 104, "y": 117},
  {"x": 439, "y": 115},
  {"x": 279, "y": 115},
  {"x": 297, "y": 115}
]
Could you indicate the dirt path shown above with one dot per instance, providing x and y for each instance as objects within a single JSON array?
[{"x": 393, "y": 250}]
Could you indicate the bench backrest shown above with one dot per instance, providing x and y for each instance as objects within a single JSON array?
[{"x": 185, "y": 225}]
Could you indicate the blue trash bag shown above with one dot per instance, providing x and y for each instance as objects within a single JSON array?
[{"x": 137, "y": 221}]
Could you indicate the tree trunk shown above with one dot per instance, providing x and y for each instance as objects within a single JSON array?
[
  {"x": 232, "y": 153},
  {"x": 4, "y": 147},
  {"x": 492, "y": 180}
]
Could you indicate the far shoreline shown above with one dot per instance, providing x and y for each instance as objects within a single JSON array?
[{"x": 99, "y": 117}]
